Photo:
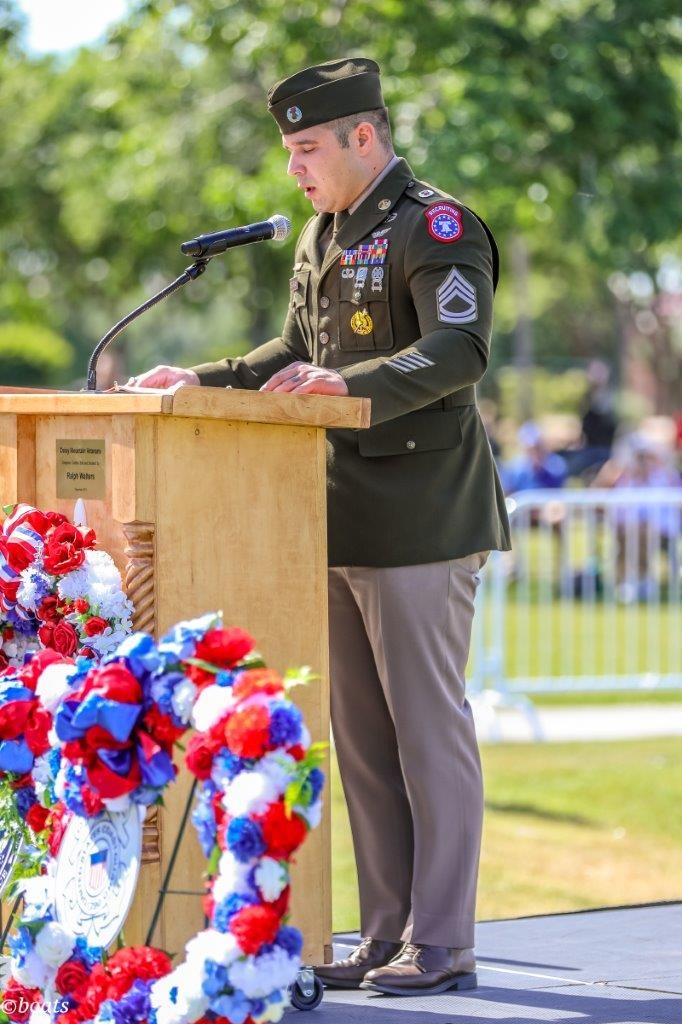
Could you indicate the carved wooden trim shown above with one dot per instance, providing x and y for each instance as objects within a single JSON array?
[
  {"x": 151, "y": 837},
  {"x": 139, "y": 573}
]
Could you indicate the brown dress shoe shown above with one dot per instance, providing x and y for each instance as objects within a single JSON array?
[
  {"x": 349, "y": 973},
  {"x": 424, "y": 970}
]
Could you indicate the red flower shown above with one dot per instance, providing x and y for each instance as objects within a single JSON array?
[
  {"x": 17, "y": 1001},
  {"x": 199, "y": 757},
  {"x": 199, "y": 676},
  {"x": 61, "y": 637},
  {"x": 247, "y": 732},
  {"x": 71, "y": 976},
  {"x": 253, "y": 927},
  {"x": 36, "y": 817},
  {"x": 282, "y": 834},
  {"x": 4, "y": 661},
  {"x": 281, "y": 904},
  {"x": 49, "y": 609},
  {"x": 214, "y": 739},
  {"x": 7, "y": 633},
  {"x": 258, "y": 680},
  {"x": 81, "y": 606},
  {"x": 58, "y": 820},
  {"x": 114, "y": 682},
  {"x": 161, "y": 728},
  {"x": 37, "y": 728},
  {"x": 95, "y": 626},
  {"x": 31, "y": 672},
  {"x": 92, "y": 801},
  {"x": 65, "y": 548},
  {"x": 13, "y": 718},
  {"x": 224, "y": 647}
]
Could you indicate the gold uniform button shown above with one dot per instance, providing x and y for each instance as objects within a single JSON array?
[
  {"x": 324, "y": 337},
  {"x": 411, "y": 445},
  {"x": 324, "y": 301}
]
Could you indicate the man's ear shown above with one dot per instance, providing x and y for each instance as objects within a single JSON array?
[{"x": 365, "y": 137}]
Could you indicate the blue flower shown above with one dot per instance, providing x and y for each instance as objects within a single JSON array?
[
  {"x": 216, "y": 979},
  {"x": 88, "y": 955},
  {"x": 141, "y": 655},
  {"x": 227, "y": 908},
  {"x": 203, "y": 818},
  {"x": 25, "y": 798},
  {"x": 286, "y": 721},
  {"x": 225, "y": 678},
  {"x": 227, "y": 765},
  {"x": 316, "y": 782},
  {"x": 133, "y": 1008},
  {"x": 21, "y": 945},
  {"x": 245, "y": 839},
  {"x": 161, "y": 691},
  {"x": 236, "y": 1007},
  {"x": 180, "y": 641},
  {"x": 290, "y": 940}
]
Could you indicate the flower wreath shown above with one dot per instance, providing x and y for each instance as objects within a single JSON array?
[
  {"x": 113, "y": 728},
  {"x": 56, "y": 590}
]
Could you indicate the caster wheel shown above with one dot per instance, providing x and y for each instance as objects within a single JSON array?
[{"x": 306, "y": 992}]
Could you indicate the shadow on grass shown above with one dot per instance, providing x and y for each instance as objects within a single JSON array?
[{"x": 537, "y": 812}]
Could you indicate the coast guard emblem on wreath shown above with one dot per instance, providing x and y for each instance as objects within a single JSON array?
[
  {"x": 97, "y": 869},
  {"x": 294, "y": 114},
  {"x": 445, "y": 222}
]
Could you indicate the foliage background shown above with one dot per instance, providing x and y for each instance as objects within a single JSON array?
[{"x": 557, "y": 120}]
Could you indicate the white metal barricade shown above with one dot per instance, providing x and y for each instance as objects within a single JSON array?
[{"x": 589, "y": 598}]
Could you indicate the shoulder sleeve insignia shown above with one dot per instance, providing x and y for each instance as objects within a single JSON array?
[
  {"x": 457, "y": 302},
  {"x": 445, "y": 222}
]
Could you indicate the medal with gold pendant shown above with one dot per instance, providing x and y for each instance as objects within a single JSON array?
[{"x": 361, "y": 322}]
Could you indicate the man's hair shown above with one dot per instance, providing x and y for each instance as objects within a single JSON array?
[{"x": 343, "y": 126}]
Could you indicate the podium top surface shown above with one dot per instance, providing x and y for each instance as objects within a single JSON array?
[{"x": 196, "y": 403}]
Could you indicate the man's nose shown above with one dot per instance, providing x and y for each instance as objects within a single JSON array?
[{"x": 294, "y": 167}]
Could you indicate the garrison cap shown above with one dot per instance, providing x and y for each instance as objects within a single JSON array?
[{"x": 324, "y": 92}]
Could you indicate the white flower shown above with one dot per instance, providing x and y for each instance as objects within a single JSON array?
[
  {"x": 39, "y": 896},
  {"x": 312, "y": 815},
  {"x": 190, "y": 1002},
  {"x": 279, "y": 767},
  {"x": 249, "y": 793},
  {"x": 54, "y": 944},
  {"x": 211, "y": 705},
  {"x": 272, "y": 878},
  {"x": 182, "y": 701},
  {"x": 212, "y": 945},
  {"x": 232, "y": 877},
  {"x": 33, "y": 972},
  {"x": 259, "y": 976},
  {"x": 53, "y": 685},
  {"x": 39, "y": 1015}
]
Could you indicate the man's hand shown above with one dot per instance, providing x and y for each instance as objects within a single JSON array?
[
  {"x": 306, "y": 379},
  {"x": 163, "y": 377}
]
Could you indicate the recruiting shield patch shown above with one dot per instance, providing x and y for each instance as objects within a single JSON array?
[{"x": 445, "y": 222}]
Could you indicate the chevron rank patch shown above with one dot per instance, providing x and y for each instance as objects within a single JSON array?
[
  {"x": 410, "y": 360},
  {"x": 445, "y": 222},
  {"x": 457, "y": 300}
]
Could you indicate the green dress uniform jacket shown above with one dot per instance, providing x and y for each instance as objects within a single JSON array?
[{"x": 400, "y": 304}]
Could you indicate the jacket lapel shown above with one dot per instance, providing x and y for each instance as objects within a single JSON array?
[{"x": 369, "y": 214}]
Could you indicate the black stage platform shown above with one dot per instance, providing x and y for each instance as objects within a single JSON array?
[{"x": 597, "y": 967}]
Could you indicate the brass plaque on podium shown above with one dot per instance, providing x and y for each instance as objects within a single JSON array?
[{"x": 81, "y": 468}]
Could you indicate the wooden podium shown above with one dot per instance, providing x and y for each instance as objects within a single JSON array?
[{"x": 207, "y": 499}]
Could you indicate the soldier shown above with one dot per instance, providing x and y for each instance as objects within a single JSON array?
[{"x": 391, "y": 299}]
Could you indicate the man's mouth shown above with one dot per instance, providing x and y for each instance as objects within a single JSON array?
[{"x": 308, "y": 190}]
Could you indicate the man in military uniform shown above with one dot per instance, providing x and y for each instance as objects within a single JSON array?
[{"x": 391, "y": 299}]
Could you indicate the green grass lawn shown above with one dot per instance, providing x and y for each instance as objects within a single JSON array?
[{"x": 567, "y": 827}]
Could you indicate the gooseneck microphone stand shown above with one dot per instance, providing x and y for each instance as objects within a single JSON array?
[{"x": 190, "y": 274}]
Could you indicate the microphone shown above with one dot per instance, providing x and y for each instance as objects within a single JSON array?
[{"x": 278, "y": 227}]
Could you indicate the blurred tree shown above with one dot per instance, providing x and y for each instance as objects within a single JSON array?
[
  {"x": 33, "y": 356},
  {"x": 556, "y": 120}
]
